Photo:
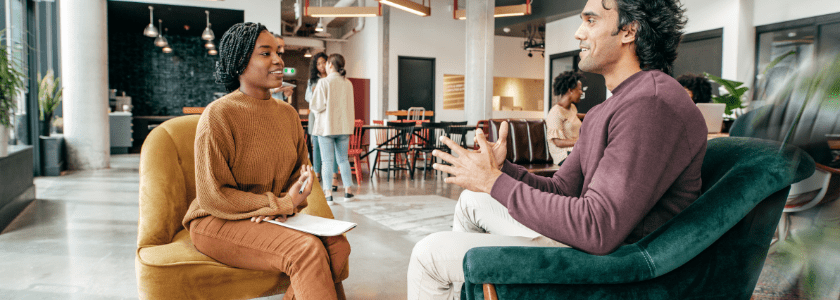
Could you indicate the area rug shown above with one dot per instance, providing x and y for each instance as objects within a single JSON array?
[{"x": 418, "y": 216}]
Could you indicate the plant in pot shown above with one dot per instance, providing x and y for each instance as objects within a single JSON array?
[
  {"x": 49, "y": 97},
  {"x": 732, "y": 99},
  {"x": 11, "y": 81}
]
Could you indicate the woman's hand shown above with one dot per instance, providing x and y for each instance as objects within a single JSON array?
[
  {"x": 299, "y": 191},
  {"x": 278, "y": 218}
]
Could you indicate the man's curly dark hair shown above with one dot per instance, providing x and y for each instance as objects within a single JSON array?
[
  {"x": 659, "y": 29},
  {"x": 565, "y": 82},
  {"x": 699, "y": 86}
]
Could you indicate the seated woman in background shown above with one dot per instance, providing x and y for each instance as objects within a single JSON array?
[
  {"x": 562, "y": 123},
  {"x": 698, "y": 87},
  {"x": 251, "y": 165}
]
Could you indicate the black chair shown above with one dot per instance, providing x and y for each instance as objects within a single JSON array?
[
  {"x": 398, "y": 143},
  {"x": 431, "y": 132},
  {"x": 457, "y": 131}
]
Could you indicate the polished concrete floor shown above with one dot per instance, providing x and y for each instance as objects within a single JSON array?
[{"x": 78, "y": 239}]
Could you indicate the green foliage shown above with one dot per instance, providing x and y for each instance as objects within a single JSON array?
[
  {"x": 49, "y": 95},
  {"x": 735, "y": 89},
  {"x": 11, "y": 81}
]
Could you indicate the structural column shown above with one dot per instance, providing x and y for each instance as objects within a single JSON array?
[
  {"x": 478, "y": 85},
  {"x": 84, "y": 68}
]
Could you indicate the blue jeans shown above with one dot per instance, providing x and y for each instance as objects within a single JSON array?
[
  {"x": 334, "y": 148},
  {"x": 316, "y": 157}
]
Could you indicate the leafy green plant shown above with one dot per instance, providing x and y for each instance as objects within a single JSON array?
[
  {"x": 733, "y": 98},
  {"x": 11, "y": 81},
  {"x": 49, "y": 95}
]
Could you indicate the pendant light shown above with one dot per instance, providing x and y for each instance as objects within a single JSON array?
[
  {"x": 320, "y": 27},
  {"x": 209, "y": 45},
  {"x": 208, "y": 35},
  {"x": 307, "y": 54},
  {"x": 150, "y": 30},
  {"x": 167, "y": 49},
  {"x": 213, "y": 52},
  {"x": 161, "y": 41}
]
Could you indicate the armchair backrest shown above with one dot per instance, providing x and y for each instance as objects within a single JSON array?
[{"x": 526, "y": 140}]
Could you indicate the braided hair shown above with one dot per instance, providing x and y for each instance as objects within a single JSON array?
[
  {"x": 314, "y": 74},
  {"x": 337, "y": 61},
  {"x": 235, "y": 50}
]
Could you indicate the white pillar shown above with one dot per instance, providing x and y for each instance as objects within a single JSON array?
[
  {"x": 84, "y": 68},
  {"x": 478, "y": 88}
]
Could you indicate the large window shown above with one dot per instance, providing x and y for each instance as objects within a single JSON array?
[{"x": 783, "y": 47}]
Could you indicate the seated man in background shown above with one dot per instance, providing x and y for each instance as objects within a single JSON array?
[
  {"x": 562, "y": 122},
  {"x": 635, "y": 166},
  {"x": 698, "y": 87}
]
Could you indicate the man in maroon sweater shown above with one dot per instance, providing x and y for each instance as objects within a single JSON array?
[{"x": 635, "y": 166}]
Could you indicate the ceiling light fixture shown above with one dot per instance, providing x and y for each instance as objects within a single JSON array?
[
  {"x": 498, "y": 12},
  {"x": 410, "y": 6},
  {"x": 161, "y": 41},
  {"x": 209, "y": 45},
  {"x": 307, "y": 54},
  {"x": 208, "y": 35},
  {"x": 150, "y": 30},
  {"x": 213, "y": 52},
  {"x": 342, "y": 12}
]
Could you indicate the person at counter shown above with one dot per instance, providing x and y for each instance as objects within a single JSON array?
[
  {"x": 562, "y": 123},
  {"x": 251, "y": 165},
  {"x": 282, "y": 93}
]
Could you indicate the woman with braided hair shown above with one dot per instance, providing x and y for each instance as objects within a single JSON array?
[{"x": 251, "y": 165}]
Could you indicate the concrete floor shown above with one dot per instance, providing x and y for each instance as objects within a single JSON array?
[{"x": 78, "y": 240}]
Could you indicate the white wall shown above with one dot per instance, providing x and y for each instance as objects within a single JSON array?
[
  {"x": 266, "y": 12},
  {"x": 775, "y": 11}
]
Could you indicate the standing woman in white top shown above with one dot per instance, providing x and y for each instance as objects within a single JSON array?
[
  {"x": 317, "y": 70},
  {"x": 562, "y": 124},
  {"x": 333, "y": 105}
]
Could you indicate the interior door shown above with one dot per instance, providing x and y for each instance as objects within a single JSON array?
[{"x": 416, "y": 84}]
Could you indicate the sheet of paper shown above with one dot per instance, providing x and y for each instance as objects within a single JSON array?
[{"x": 316, "y": 225}]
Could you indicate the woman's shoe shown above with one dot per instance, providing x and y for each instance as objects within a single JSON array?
[
  {"x": 348, "y": 195},
  {"x": 330, "y": 200},
  {"x": 335, "y": 188}
]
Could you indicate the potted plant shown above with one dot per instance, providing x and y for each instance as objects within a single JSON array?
[
  {"x": 11, "y": 81},
  {"x": 49, "y": 97},
  {"x": 732, "y": 99}
]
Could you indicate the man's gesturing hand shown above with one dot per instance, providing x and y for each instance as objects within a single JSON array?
[
  {"x": 499, "y": 148},
  {"x": 476, "y": 171}
]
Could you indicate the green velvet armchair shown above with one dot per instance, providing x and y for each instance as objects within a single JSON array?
[{"x": 714, "y": 249}]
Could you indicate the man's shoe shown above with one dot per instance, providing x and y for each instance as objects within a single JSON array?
[{"x": 330, "y": 200}]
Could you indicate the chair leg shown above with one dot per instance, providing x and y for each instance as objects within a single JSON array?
[
  {"x": 357, "y": 162},
  {"x": 490, "y": 292},
  {"x": 375, "y": 165}
]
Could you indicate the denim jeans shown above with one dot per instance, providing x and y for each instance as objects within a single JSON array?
[
  {"x": 316, "y": 157},
  {"x": 334, "y": 149}
]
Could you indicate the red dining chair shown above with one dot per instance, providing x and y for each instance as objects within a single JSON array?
[{"x": 356, "y": 150}]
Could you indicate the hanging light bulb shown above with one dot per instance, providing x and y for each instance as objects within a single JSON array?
[
  {"x": 307, "y": 54},
  {"x": 320, "y": 26},
  {"x": 161, "y": 41},
  {"x": 167, "y": 49},
  {"x": 212, "y": 52},
  {"x": 208, "y": 35},
  {"x": 150, "y": 30},
  {"x": 209, "y": 45}
]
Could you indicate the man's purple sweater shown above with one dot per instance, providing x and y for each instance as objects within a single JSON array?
[{"x": 635, "y": 166}]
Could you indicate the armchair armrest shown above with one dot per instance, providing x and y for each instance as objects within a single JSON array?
[{"x": 546, "y": 265}]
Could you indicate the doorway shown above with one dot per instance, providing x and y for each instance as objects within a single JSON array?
[{"x": 416, "y": 85}]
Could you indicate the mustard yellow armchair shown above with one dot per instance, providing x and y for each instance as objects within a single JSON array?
[{"x": 167, "y": 264}]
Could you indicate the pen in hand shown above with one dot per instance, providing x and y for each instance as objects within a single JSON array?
[{"x": 303, "y": 186}]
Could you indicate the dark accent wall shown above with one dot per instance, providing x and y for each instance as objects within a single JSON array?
[{"x": 161, "y": 84}]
